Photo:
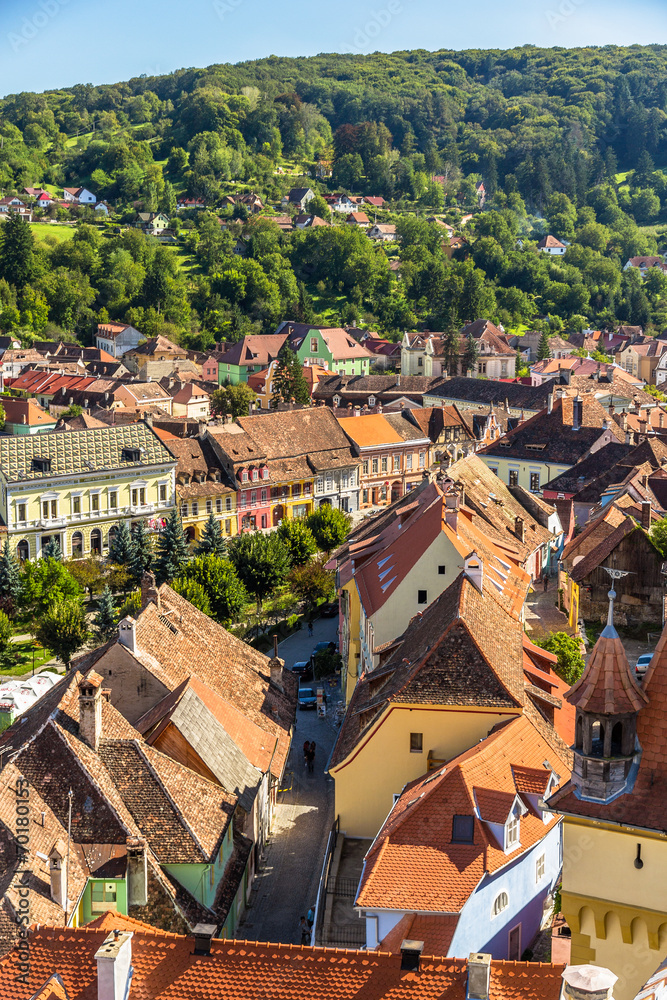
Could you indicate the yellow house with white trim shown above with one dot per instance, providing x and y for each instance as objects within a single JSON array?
[
  {"x": 77, "y": 486},
  {"x": 615, "y": 816}
]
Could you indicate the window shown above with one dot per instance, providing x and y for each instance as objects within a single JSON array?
[
  {"x": 344, "y": 480},
  {"x": 408, "y": 463},
  {"x": 113, "y": 499},
  {"x": 371, "y": 400},
  {"x": 253, "y": 498},
  {"x": 184, "y": 510},
  {"x": 364, "y": 496},
  {"x": 352, "y": 479},
  {"x": 195, "y": 508},
  {"x": 209, "y": 506},
  {"x": 265, "y": 472},
  {"x": 103, "y": 897},
  {"x": 463, "y": 829},
  {"x": 41, "y": 464},
  {"x": 95, "y": 502},
  {"x": 139, "y": 497},
  {"x": 76, "y": 505},
  {"x": 49, "y": 509},
  {"x": 422, "y": 597},
  {"x": 244, "y": 476},
  {"x": 228, "y": 503},
  {"x": 131, "y": 455},
  {"x": 385, "y": 464},
  {"x": 296, "y": 490},
  {"x": 21, "y": 509},
  {"x": 364, "y": 468},
  {"x": 422, "y": 459},
  {"x": 255, "y": 475},
  {"x": 264, "y": 524},
  {"x": 306, "y": 489},
  {"x": 228, "y": 526},
  {"x": 313, "y": 345},
  {"x": 539, "y": 868},
  {"x": 512, "y": 832},
  {"x": 534, "y": 481},
  {"x": 500, "y": 903},
  {"x": 397, "y": 462},
  {"x": 264, "y": 496},
  {"x": 481, "y": 368},
  {"x": 375, "y": 465},
  {"x": 23, "y": 551},
  {"x": 513, "y": 477},
  {"x": 442, "y": 570},
  {"x": 416, "y": 742},
  {"x": 162, "y": 492},
  {"x": 319, "y": 484}
]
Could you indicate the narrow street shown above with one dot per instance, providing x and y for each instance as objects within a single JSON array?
[{"x": 286, "y": 884}]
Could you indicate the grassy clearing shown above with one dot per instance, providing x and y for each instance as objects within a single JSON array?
[
  {"x": 59, "y": 233},
  {"x": 24, "y": 664}
]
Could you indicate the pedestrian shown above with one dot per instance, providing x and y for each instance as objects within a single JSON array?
[
  {"x": 305, "y": 931},
  {"x": 310, "y": 629},
  {"x": 545, "y": 580},
  {"x": 310, "y": 918},
  {"x": 306, "y": 752},
  {"x": 312, "y": 748},
  {"x": 310, "y": 757}
]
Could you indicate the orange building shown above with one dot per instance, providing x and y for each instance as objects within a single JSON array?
[{"x": 394, "y": 451}]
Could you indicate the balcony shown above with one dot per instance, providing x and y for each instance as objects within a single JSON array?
[{"x": 92, "y": 516}]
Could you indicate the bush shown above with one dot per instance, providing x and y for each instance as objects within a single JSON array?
[
  {"x": 570, "y": 664},
  {"x": 326, "y": 662}
]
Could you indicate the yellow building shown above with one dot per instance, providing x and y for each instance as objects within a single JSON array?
[
  {"x": 455, "y": 673},
  {"x": 202, "y": 487},
  {"x": 615, "y": 816},
  {"x": 77, "y": 486}
]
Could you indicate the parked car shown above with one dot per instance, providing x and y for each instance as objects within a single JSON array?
[
  {"x": 301, "y": 668},
  {"x": 642, "y": 665},
  {"x": 320, "y": 648},
  {"x": 329, "y": 610},
  {"x": 307, "y": 698}
]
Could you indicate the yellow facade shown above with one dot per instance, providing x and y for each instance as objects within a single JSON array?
[
  {"x": 382, "y": 763},
  {"x": 81, "y": 510},
  {"x": 350, "y": 643},
  {"x": 195, "y": 511},
  {"x": 532, "y": 475},
  {"x": 616, "y": 911}
]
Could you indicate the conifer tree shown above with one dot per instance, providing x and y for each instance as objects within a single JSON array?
[
  {"x": 52, "y": 550},
  {"x": 10, "y": 574},
  {"x": 543, "y": 351},
  {"x": 172, "y": 550},
  {"x": 104, "y": 622},
  {"x": 212, "y": 541},
  {"x": 121, "y": 549},
  {"x": 17, "y": 251},
  {"x": 142, "y": 553},
  {"x": 471, "y": 355},
  {"x": 288, "y": 379}
]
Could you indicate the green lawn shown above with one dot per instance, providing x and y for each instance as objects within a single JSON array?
[
  {"x": 25, "y": 659},
  {"x": 60, "y": 233}
]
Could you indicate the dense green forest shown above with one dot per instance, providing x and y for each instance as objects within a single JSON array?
[{"x": 571, "y": 142}]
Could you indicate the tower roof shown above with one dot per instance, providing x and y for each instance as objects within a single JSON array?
[{"x": 607, "y": 686}]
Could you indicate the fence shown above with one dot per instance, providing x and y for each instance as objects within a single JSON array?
[{"x": 320, "y": 905}]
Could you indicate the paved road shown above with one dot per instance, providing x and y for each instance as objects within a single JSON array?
[{"x": 286, "y": 885}]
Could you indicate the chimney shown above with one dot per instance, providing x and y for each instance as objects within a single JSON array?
[
  {"x": 628, "y": 437},
  {"x": 90, "y": 708},
  {"x": 127, "y": 635},
  {"x": 411, "y": 953},
  {"x": 564, "y": 376},
  {"x": 646, "y": 515},
  {"x": 577, "y": 412},
  {"x": 624, "y": 420},
  {"x": 520, "y": 529},
  {"x": 201, "y": 428},
  {"x": 148, "y": 419},
  {"x": 276, "y": 665},
  {"x": 588, "y": 982},
  {"x": 149, "y": 591},
  {"x": 136, "y": 872},
  {"x": 114, "y": 966},
  {"x": 550, "y": 402},
  {"x": 58, "y": 873},
  {"x": 452, "y": 502},
  {"x": 357, "y": 411},
  {"x": 479, "y": 976},
  {"x": 203, "y": 934},
  {"x": 661, "y": 418}
]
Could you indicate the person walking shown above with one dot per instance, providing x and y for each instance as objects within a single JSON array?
[
  {"x": 305, "y": 931},
  {"x": 310, "y": 918},
  {"x": 310, "y": 629},
  {"x": 545, "y": 580},
  {"x": 306, "y": 752},
  {"x": 310, "y": 757}
]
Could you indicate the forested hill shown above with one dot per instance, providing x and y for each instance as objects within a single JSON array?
[{"x": 527, "y": 111}]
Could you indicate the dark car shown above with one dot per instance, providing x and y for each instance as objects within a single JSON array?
[
  {"x": 307, "y": 698},
  {"x": 329, "y": 610},
  {"x": 301, "y": 668},
  {"x": 320, "y": 648}
]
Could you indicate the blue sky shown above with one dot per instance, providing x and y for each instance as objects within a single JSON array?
[{"x": 56, "y": 43}]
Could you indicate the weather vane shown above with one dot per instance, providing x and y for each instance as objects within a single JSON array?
[{"x": 615, "y": 574}]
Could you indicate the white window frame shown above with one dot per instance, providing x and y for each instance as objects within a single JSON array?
[
  {"x": 496, "y": 910},
  {"x": 95, "y": 493},
  {"x": 111, "y": 493},
  {"x": 49, "y": 498},
  {"x": 18, "y": 504},
  {"x": 513, "y": 831},
  {"x": 540, "y": 868}
]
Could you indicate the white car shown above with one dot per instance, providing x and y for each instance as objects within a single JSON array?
[{"x": 642, "y": 665}]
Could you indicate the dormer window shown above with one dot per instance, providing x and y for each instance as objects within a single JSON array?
[
  {"x": 244, "y": 475},
  {"x": 371, "y": 400},
  {"x": 512, "y": 829},
  {"x": 265, "y": 472},
  {"x": 255, "y": 475},
  {"x": 131, "y": 455},
  {"x": 41, "y": 464},
  {"x": 336, "y": 400}
]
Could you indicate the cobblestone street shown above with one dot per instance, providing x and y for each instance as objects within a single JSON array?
[{"x": 286, "y": 883}]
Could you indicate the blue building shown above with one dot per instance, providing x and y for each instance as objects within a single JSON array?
[{"x": 468, "y": 859}]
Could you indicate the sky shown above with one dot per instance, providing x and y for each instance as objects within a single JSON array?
[{"x": 46, "y": 44}]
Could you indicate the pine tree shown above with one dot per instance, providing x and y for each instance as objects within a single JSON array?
[
  {"x": 17, "y": 251},
  {"x": 543, "y": 351},
  {"x": 10, "y": 575},
  {"x": 212, "y": 541},
  {"x": 121, "y": 549},
  {"x": 142, "y": 552},
  {"x": 172, "y": 550},
  {"x": 470, "y": 355},
  {"x": 104, "y": 622},
  {"x": 288, "y": 379},
  {"x": 52, "y": 550},
  {"x": 300, "y": 388}
]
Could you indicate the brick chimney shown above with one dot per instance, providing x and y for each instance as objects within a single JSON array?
[
  {"x": 90, "y": 708},
  {"x": 588, "y": 982},
  {"x": 276, "y": 666},
  {"x": 127, "y": 633},
  {"x": 479, "y": 976},
  {"x": 646, "y": 515},
  {"x": 58, "y": 873},
  {"x": 452, "y": 502},
  {"x": 149, "y": 591},
  {"x": 411, "y": 953},
  {"x": 520, "y": 529},
  {"x": 137, "y": 872},
  {"x": 114, "y": 966}
]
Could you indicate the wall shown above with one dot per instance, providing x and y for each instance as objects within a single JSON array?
[
  {"x": 196, "y": 878},
  {"x": 502, "y": 466},
  {"x": 380, "y": 766},
  {"x": 85, "y": 912},
  {"x": 133, "y": 689}
]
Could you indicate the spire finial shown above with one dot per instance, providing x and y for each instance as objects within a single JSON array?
[{"x": 615, "y": 574}]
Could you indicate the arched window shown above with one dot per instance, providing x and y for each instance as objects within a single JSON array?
[
  {"x": 96, "y": 542},
  {"x": 500, "y": 903},
  {"x": 579, "y": 740},
  {"x": 23, "y": 551},
  {"x": 77, "y": 545},
  {"x": 617, "y": 740}
]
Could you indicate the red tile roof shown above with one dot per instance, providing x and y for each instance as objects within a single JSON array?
[
  {"x": 414, "y": 864},
  {"x": 166, "y": 967}
]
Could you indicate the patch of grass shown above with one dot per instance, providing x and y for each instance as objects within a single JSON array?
[
  {"x": 24, "y": 651},
  {"x": 60, "y": 233}
]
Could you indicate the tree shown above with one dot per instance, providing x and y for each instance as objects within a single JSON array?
[
  {"x": 312, "y": 583},
  {"x": 568, "y": 650},
  {"x": 5, "y": 632},
  {"x": 299, "y": 540},
  {"x": 172, "y": 550},
  {"x": 219, "y": 579},
  {"x": 104, "y": 623},
  {"x": 193, "y": 592},
  {"x": 261, "y": 561},
  {"x": 88, "y": 573},
  {"x": 233, "y": 400},
  {"x": 121, "y": 549},
  {"x": 470, "y": 355},
  {"x": 17, "y": 251},
  {"x": 62, "y": 628},
  {"x": 212, "y": 540},
  {"x": 142, "y": 552},
  {"x": 131, "y": 607},
  {"x": 330, "y": 527},
  {"x": 47, "y": 581},
  {"x": 659, "y": 536},
  {"x": 10, "y": 575},
  {"x": 52, "y": 550},
  {"x": 543, "y": 350},
  {"x": 288, "y": 379}
]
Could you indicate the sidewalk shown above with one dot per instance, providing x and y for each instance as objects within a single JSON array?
[
  {"x": 542, "y": 615},
  {"x": 286, "y": 884}
]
